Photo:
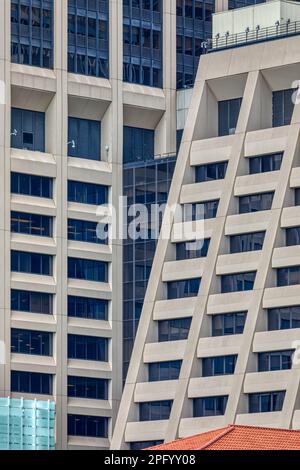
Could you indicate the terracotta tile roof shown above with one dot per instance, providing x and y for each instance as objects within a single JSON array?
[{"x": 236, "y": 437}]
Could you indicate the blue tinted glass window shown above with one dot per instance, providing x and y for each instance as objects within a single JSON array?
[
  {"x": 155, "y": 410},
  {"x": 84, "y": 138},
  {"x": 265, "y": 163},
  {"x": 275, "y": 360},
  {"x": 86, "y": 231},
  {"x": 142, "y": 40},
  {"x": 27, "y": 130},
  {"x": 87, "y": 387},
  {"x": 143, "y": 181},
  {"x": 247, "y": 242},
  {"x": 87, "y": 193},
  {"x": 284, "y": 318},
  {"x": 31, "y": 342},
  {"x": 210, "y": 172},
  {"x": 174, "y": 330},
  {"x": 31, "y": 185},
  {"x": 194, "y": 27},
  {"x": 33, "y": 302},
  {"x": 159, "y": 371},
  {"x": 186, "y": 288},
  {"x": 88, "y": 37},
  {"x": 220, "y": 365},
  {"x": 32, "y": 263},
  {"x": 87, "y": 426},
  {"x": 283, "y": 107},
  {"x": 255, "y": 203},
  {"x": 229, "y": 111},
  {"x": 204, "y": 210},
  {"x": 140, "y": 445},
  {"x": 209, "y": 406},
  {"x": 31, "y": 382},
  {"x": 138, "y": 144},
  {"x": 266, "y": 402},
  {"x": 31, "y": 224},
  {"x": 89, "y": 348},
  {"x": 32, "y": 32},
  {"x": 237, "y": 282},
  {"x": 288, "y": 276},
  {"x": 87, "y": 269},
  {"x": 86, "y": 307},
  {"x": 191, "y": 250},
  {"x": 293, "y": 236},
  {"x": 228, "y": 324}
]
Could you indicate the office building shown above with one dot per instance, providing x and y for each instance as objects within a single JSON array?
[
  {"x": 90, "y": 111},
  {"x": 218, "y": 337}
]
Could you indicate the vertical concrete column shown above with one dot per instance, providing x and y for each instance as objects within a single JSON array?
[
  {"x": 113, "y": 123},
  {"x": 58, "y": 127},
  {"x": 165, "y": 141},
  {"x": 5, "y": 94}
]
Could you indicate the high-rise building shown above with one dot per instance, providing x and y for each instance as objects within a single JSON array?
[
  {"x": 89, "y": 111},
  {"x": 218, "y": 337}
]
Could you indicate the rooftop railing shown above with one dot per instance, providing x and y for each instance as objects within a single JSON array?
[{"x": 279, "y": 31}]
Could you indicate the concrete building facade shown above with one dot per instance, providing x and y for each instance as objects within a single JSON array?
[
  {"x": 73, "y": 75},
  {"x": 218, "y": 337}
]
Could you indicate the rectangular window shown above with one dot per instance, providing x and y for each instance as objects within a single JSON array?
[
  {"x": 237, "y": 282},
  {"x": 247, "y": 242},
  {"x": 27, "y": 130},
  {"x": 174, "y": 330},
  {"x": 266, "y": 402},
  {"x": 275, "y": 360},
  {"x": 86, "y": 231},
  {"x": 84, "y": 138},
  {"x": 86, "y": 307},
  {"x": 32, "y": 302},
  {"x": 87, "y": 193},
  {"x": 160, "y": 371},
  {"x": 219, "y": 365},
  {"x": 32, "y": 185},
  {"x": 181, "y": 289},
  {"x": 283, "y": 107},
  {"x": 265, "y": 163},
  {"x": 210, "y": 172},
  {"x": 155, "y": 410},
  {"x": 292, "y": 236},
  {"x": 87, "y": 426},
  {"x": 194, "y": 27},
  {"x": 191, "y": 250},
  {"x": 255, "y": 203},
  {"x": 31, "y": 382},
  {"x": 284, "y": 318},
  {"x": 229, "y": 111},
  {"x": 31, "y": 263},
  {"x": 228, "y": 324},
  {"x": 140, "y": 445},
  {"x": 31, "y": 224},
  {"x": 32, "y": 32},
  {"x": 88, "y": 270},
  {"x": 87, "y": 387},
  {"x": 138, "y": 144},
  {"x": 209, "y": 406},
  {"x": 88, "y": 348},
  {"x": 37, "y": 343},
  {"x": 143, "y": 45},
  {"x": 289, "y": 276},
  {"x": 88, "y": 37},
  {"x": 204, "y": 210}
]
